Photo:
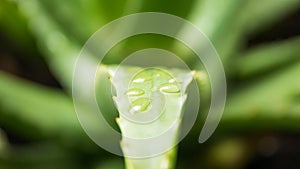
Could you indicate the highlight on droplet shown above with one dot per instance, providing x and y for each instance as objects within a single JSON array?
[
  {"x": 140, "y": 105},
  {"x": 135, "y": 92}
]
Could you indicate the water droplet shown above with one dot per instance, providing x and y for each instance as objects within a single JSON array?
[
  {"x": 169, "y": 88},
  {"x": 141, "y": 79},
  {"x": 172, "y": 81},
  {"x": 135, "y": 92},
  {"x": 140, "y": 105},
  {"x": 138, "y": 80}
]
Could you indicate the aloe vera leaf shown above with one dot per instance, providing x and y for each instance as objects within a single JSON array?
[
  {"x": 132, "y": 6},
  {"x": 211, "y": 15},
  {"x": 268, "y": 56},
  {"x": 259, "y": 14},
  {"x": 78, "y": 18},
  {"x": 48, "y": 110},
  {"x": 218, "y": 22},
  {"x": 215, "y": 19},
  {"x": 226, "y": 25},
  {"x": 139, "y": 86},
  {"x": 13, "y": 25},
  {"x": 272, "y": 102},
  {"x": 250, "y": 17},
  {"x": 253, "y": 16},
  {"x": 60, "y": 51}
]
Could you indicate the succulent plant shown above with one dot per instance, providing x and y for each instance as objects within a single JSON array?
[{"x": 150, "y": 102}]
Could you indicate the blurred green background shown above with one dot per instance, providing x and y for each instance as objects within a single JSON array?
[{"x": 258, "y": 42}]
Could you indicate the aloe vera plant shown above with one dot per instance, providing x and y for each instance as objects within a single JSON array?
[{"x": 150, "y": 102}]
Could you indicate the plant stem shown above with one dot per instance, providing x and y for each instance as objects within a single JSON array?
[{"x": 142, "y": 91}]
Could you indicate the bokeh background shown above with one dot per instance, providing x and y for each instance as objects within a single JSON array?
[{"x": 257, "y": 40}]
